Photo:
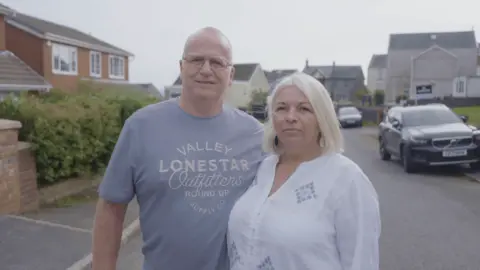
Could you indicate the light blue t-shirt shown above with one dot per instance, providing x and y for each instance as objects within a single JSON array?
[{"x": 186, "y": 173}]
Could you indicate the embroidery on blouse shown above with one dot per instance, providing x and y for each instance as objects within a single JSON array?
[
  {"x": 305, "y": 192},
  {"x": 234, "y": 255},
  {"x": 266, "y": 264}
]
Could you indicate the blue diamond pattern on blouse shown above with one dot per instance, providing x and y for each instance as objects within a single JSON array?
[
  {"x": 266, "y": 264},
  {"x": 234, "y": 256},
  {"x": 305, "y": 192}
]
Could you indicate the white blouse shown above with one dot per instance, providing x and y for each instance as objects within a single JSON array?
[{"x": 324, "y": 217}]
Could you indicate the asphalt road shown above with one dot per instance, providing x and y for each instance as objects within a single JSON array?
[{"x": 430, "y": 221}]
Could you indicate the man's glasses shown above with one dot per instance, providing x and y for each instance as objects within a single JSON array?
[{"x": 215, "y": 63}]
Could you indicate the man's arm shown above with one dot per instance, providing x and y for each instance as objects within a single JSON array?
[
  {"x": 107, "y": 234},
  {"x": 116, "y": 191}
]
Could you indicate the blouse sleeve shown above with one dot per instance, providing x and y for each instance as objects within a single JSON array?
[{"x": 357, "y": 225}]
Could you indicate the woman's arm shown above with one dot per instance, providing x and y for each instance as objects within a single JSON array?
[{"x": 358, "y": 225}]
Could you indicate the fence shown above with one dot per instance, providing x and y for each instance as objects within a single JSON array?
[{"x": 452, "y": 102}]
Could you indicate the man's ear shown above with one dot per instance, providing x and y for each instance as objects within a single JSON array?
[{"x": 232, "y": 75}]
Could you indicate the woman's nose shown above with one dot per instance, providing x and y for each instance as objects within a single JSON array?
[{"x": 291, "y": 115}]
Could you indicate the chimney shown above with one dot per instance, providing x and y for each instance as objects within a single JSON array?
[{"x": 306, "y": 62}]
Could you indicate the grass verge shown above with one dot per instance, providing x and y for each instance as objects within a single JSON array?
[
  {"x": 86, "y": 196},
  {"x": 473, "y": 113}
]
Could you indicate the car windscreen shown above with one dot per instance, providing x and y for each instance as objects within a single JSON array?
[
  {"x": 429, "y": 117},
  {"x": 348, "y": 111}
]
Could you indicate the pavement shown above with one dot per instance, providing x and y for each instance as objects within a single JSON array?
[{"x": 51, "y": 239}]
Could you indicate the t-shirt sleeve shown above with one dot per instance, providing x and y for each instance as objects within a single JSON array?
[
  {"x": 117, "y": 185},
  {"x": 357, "y": 224}
]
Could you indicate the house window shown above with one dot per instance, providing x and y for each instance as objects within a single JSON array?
[
  {"x": 116, "y": 67},
  {"x": 65, "y": 59},
  {"x": 95, "y": 64}
]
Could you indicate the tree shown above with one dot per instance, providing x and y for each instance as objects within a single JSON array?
[{"x": 258, "y": 98}]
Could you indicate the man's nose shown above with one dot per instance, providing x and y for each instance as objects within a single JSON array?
[{"x": 206, "y": 68}]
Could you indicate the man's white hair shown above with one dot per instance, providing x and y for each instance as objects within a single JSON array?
[{"x": 323, "y": 109}]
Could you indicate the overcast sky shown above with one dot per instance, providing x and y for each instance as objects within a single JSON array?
[{"x": 277, "y": 34}]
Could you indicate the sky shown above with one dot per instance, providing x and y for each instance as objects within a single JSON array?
[{"x": 277, "y": 34}]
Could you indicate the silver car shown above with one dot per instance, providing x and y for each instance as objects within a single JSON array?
[{"x": 349, "y": 117}]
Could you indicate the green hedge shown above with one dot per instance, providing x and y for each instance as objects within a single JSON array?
[{"x": 73, "y": 134}]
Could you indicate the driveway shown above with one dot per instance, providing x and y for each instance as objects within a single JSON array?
[{"x": 430, "y": 220}]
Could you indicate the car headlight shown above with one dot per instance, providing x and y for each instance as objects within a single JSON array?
[
  {"x": 476, "y": 137},
  {"x": 417, "y": 140}
]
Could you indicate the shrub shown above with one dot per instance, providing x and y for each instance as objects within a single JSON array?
[{"x": 72, "y": 134}]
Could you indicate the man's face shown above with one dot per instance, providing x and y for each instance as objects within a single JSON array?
[{"x": 206, "y": 68}]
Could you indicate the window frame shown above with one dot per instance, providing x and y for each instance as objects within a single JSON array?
[
  {"x": 121, "y": 60},
  {"x": 94, "y": 55},
  {"x": 58, "y": 49}
]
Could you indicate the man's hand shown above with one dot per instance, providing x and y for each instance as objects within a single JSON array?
[{"x": 107, "y": 234}]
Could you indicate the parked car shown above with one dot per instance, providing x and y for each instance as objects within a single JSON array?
[
  {"x": 349, "y": 116},
  {"x": 428, "y": 135}
]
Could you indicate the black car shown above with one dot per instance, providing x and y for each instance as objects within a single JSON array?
[
  {"x": 349, "y": 116},
  {"x": 428, "y": 135}
]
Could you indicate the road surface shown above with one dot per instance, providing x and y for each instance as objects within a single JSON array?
[{"x": 430, "y": 221}]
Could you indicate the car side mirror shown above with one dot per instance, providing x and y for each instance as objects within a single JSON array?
[
  {"x": 464, "y": 118},
  {"x": 396, "y": 123}
]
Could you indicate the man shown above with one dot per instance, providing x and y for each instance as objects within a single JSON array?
[{"x": 186, "y": 160}]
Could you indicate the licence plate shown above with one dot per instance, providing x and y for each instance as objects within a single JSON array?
[
  {"x": 454, "y": 153},
  {"x": 350, "y": 121}
]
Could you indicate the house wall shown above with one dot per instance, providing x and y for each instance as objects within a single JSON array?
[
  {"x": 25, "y": 46},
  {"x": 35, "y": 52},
  {"x": 376, "y": 79},
  {"x": 2, "y": 33},
  {"x": 343, "y": 89},
  {"x": 238, "y": 95},
  {"x": 259, "y": 81},
  {"x": 446, "y": 69},
  {"x": 70, "y": 82},
  {"x": 399, "y": 67}
]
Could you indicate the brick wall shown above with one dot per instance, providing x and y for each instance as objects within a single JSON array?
[
  {"x": 18, "y": 191},
  {"x": 29, "y": 198}
]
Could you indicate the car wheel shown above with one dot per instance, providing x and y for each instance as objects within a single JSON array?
[
  {"x": 408, "y": 165},
  {"x": 384, "y": 155}
]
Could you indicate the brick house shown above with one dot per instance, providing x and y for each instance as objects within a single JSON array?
[{"x": 60, "y": 54}]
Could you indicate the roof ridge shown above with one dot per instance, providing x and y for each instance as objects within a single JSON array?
[
  {"x": 429, "y": 33},
  {"x": 61, "y": 25}
]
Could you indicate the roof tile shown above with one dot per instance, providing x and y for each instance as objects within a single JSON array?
[{"x": 16, "y": 75}]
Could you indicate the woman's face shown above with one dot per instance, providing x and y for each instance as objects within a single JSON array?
[{"x": 294, "y": 120}]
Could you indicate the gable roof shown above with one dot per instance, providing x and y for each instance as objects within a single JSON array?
[
  {"x": 59, "y": 33},
  {"x": 15, "y": 75},
  {"x": 378, "y": 61},
  {"x": 4, "y": 9},
  {"x": 338, "y": 72},
  {"x": 419, "y": 41},
  {"x": 276, "y": 74},
  {"x": 243, "y": 73}
]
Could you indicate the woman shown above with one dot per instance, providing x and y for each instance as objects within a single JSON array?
[{"x": 310, "y": 207}]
